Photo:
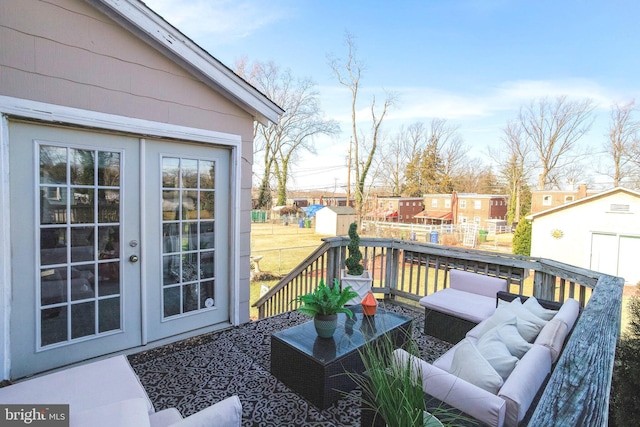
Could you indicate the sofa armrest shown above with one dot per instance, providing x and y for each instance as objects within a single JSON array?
[
  {"x": 226, "y": 413},
  {"x": 473, "y": 401},
  {"x": 523, "y": 384}
]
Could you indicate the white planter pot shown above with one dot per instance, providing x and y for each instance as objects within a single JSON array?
[{"x": 360, "y": 284}]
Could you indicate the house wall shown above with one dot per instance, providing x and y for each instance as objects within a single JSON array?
[
  {"x": 65, "y": 52},
  {"x": 577, "y": 223}
]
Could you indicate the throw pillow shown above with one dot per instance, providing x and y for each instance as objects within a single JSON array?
[
  {"x": 468, "y": 364},
  {"x": 506, "y": 313},
  {"x": 529, "y": 325},
  {"x": 534, "y": 306},
  {"x": 492, "y": 348},
  {"x": 511, "y": 337}
]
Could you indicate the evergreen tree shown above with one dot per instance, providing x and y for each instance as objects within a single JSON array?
[
  {"x": 522, "y": 238},
  {"x": 625, "y": 400}
]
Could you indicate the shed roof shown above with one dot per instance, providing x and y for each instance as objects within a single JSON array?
[
  {"x": 146, "y": 24},
  {"x": 341, "y": 210},
  {"x": 583, "y": 201}
]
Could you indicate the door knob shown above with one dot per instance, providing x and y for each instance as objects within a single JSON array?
[{"x": 133, "y": 258}]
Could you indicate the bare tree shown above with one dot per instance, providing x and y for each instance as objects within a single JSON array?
[
  {"x": 402, "y": 147},
  {"x": 282, "y": 143},
  {"x": 623, "y": 143},
  {"x": 516, "y": 165},
  {"x": 348, "y": 72},
  {"x": 553, "y": 129}
]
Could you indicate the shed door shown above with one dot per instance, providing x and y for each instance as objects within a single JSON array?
[{"x": 74, "y": 212}]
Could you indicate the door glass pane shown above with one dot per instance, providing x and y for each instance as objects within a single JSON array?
[
  {"x": 79, "y": 252},
  {"x": 189, "y": 170},
  {"x": 82, "y": 209},
  {"x": 188, "y": 230},
  {"x": 207, "y": 174},
  {"x": 82, "y": 167},
  {"x": 170, "y": 172}
]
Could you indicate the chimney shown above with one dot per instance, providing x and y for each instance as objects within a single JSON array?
[{"x": 582, "y": 191}]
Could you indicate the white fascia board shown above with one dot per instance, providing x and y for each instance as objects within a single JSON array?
[{"x": 142, "y": 21}]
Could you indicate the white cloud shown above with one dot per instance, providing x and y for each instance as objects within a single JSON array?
[{"x": 219, "y": 21}]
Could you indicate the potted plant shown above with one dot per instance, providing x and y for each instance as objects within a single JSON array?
[
  {"x": 324, "y": 304},
  {"x": 391, "y": 390},
  {"x": 354, "y": 275}
]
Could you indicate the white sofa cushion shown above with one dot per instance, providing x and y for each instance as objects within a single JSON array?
[
  {"x": 165, "y": 418},
  {"x": 492, "y": 348},
  {"x": 534, "y": 307},
  {"x": 524, "y": 382},
  {"x": 474, "y": 401},
  {"x": 510, "y": 336},
  {"x": 226, "y": 413},
  {"x": 125, "y": 413},
  {"x": 469, "y": 364},
  {"x": 479, "y": 284},
  {"x": 82, "y": 387},
  {"x": 465, "y": 305}
]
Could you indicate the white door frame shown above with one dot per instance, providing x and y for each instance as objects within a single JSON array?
[{"x": 51, "y": 113}]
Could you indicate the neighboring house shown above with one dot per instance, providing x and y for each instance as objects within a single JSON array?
[
  {"x": 125, "y": 183},
  {"x": 464, "y": 208},
  {"x": 541, "y": 200},
  {"x": 394, "y": 209},
  {"x": 600, "y": 232},
  {"x": 335, "y": 220}
]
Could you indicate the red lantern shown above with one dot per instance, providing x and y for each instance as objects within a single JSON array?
[{"x": 369, "y": 304}]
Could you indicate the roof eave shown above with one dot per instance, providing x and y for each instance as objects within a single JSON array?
[{"x": 136, "y": 17}]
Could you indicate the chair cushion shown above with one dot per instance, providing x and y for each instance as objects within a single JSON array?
[
  {"x": 465, "y": 305},
  {"x": 125, "y": 413},
  {"x": 226, "y": 413},
  {"x": 77, "y": 386},
  {"x": 476, "y": 283},
  {"x": 469, "y": 365}
]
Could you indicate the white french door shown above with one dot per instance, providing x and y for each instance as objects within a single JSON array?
[
  {"x": 187, "y": 208},
  {"x": 75, "y": 230},
  {"x": 116, "y": 241}
]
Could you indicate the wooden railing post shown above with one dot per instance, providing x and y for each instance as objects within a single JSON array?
[{"x": 391, "y": 271}]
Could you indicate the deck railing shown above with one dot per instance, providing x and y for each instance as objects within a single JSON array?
[{"x": 577, "y": 393}]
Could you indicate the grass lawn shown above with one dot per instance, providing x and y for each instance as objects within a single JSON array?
[{"x": 282, "y": 248}]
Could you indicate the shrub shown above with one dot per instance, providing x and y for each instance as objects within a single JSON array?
[
  {"x": 522, "y": 238},
  {"x": 352, "y": 263},
  {"x": 625, "y": 401}
]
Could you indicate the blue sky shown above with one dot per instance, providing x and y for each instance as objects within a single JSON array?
[{"x": 473, "y": 63}]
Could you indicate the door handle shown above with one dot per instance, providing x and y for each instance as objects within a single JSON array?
[{"x": 134, "y": 258}]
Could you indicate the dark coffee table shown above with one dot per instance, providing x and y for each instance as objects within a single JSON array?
[{"x": 315, "y": 367}]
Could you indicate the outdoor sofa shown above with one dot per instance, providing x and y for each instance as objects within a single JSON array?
[
  {"x": 495, "y": 372},
  {"x": 470, "y": 298},
  {"x": 108, "y": 393}
]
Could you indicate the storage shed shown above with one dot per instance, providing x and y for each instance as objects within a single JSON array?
[
  {"x": 335, "y": 220},
  {"x": 599, "y": 232}
]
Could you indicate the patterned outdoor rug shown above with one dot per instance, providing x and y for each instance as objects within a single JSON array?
[{"x": 193, "y": 374}]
